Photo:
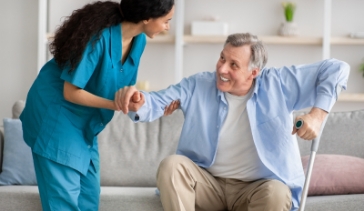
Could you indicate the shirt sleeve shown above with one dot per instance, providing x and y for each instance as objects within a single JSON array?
[
  {"x": 316, "y": 85},
  {"x": 87, "y": 65},
  {"x": 155, "y": 102}
]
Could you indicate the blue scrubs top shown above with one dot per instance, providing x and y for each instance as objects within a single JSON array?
[{"x": 66, "y": 132}]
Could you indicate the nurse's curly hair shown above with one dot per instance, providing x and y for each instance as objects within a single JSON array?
[{"x": 76, "y": 31}]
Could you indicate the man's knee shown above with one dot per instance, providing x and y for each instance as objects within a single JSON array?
[
  {"x": 276, "y": 194},
  {"x": 169, "y": 165}
]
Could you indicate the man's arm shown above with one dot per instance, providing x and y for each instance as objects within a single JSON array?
[
  {"x": 155, "y": 102},
  {"x": 314, "y": 86}
]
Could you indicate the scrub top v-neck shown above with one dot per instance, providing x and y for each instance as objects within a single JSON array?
[{"x": 66, "y": 132}]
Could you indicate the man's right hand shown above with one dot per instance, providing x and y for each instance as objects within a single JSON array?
[
  {"x": 168, "y": 110},
  {"x": 128, "y": 98}
]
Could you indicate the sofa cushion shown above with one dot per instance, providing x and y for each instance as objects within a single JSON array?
[
  {"x": 130, "y": 152},
  {"x": 335, "y": 175},
  {"x": 1, "y": 147},
  {"x": 18, "y": 168},
  {"x": 129, "y": 198},
  {"x": 350, "y": 202},
  {"x": 26, "y": 198},
  {"x": 18, "y": 107}
]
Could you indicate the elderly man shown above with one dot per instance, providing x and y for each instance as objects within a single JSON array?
[{"x": 237, "y": 149}]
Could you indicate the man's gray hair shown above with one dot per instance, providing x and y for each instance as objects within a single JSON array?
[{"x": 259, "y": 56}]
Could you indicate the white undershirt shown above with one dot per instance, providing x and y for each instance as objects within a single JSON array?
[{"x": 236, "y": 155}]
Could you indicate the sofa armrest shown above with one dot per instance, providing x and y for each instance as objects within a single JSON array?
[{"x": 1, "y": 147}]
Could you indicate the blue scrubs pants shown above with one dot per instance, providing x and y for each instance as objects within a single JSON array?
[{"x": 64, "y": 188}]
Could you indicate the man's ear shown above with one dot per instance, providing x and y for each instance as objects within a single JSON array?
[{"x": 255, "y": 72}]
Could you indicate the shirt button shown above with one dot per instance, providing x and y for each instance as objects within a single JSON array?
[
  {"x": 101, "y": 124},
  {"x": 89, "y": 146},
  {"x": 121, "y": 70}
]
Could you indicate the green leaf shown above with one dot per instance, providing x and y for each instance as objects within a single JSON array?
[{"x": 289, "y": 9}]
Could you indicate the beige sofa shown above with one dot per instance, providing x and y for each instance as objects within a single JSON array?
[{"x": 130, "y": 154}]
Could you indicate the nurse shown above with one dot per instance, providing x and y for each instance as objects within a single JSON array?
[{"x": 96, "y": 51}]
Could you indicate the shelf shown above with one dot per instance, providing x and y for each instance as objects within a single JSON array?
[
  {"x": 156, "y": 39},
  {"x": 161, "y": 39},
  {"x": 279, "y": 40},
  {"x": 351, "y": 97},
  {"x": 347, "y": 41},
  {"x": 264, "y": 39},
  {"x": 204, "y": 39},
  {"x": 291, "y": 40}
]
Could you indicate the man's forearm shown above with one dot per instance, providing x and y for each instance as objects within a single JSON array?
[{"x": 318, "y": 113}]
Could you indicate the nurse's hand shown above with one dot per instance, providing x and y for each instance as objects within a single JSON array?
[{"x": 128, "y": 98}]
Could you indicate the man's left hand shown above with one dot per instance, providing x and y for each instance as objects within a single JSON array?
[{"x": 312, "y": 123}]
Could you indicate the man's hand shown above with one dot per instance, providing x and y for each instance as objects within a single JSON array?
[
  {"x": 171, "y": 108},
  {"x": 128, "y": 98},
  {"x": 312, "y": 123}
]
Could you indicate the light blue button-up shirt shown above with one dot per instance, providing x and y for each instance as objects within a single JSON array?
[{"x": 277, "y": 93}]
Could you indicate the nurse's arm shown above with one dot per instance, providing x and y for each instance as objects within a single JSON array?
[{"x": 79, "y": 96}]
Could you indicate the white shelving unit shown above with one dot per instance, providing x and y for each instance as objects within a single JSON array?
[
  {"x": 180, "y": 39},
  {"x": 42, "y": 32}
]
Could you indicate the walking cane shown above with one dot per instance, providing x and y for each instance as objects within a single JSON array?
[{"x": 314, "y": 148}]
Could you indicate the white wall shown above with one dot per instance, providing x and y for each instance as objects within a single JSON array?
[{"x": 18, "y": 51}]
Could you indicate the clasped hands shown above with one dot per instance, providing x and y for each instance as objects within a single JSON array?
[{"x": 130, "y": 99}]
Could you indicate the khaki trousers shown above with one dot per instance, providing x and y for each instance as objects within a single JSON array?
[{"x": 184, "y": 186}]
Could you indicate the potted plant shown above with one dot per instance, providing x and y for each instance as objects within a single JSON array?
[
  {"x": 289, "y": 27},
  {"x": 361, "y": 68}
]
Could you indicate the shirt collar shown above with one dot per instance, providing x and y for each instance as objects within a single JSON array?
[
  {"x": 116, "y": 45},
  {"x": 220, "y": 95},
  {"x": 135, "y": 48},
  {"x": 258, "y": 80}
]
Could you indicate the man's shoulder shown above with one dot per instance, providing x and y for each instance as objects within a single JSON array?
[
  {"x": 204, "y": 76},
  {"x": 269, "y": 74},
  {"x": 270, "y": 70}
]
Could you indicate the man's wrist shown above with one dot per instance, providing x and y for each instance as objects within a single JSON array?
[{"x": 318, "y": 113}]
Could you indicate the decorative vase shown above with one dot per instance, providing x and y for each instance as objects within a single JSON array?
[{"x": 288, "y": 29}]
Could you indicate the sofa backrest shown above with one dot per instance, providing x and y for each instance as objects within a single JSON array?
[{"x": 130, "y": 153}]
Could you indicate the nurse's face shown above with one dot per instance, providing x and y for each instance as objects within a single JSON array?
[{"x": 155, "y": 26}]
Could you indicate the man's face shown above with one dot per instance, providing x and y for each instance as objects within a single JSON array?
[{"x": 232, "y": 70}]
